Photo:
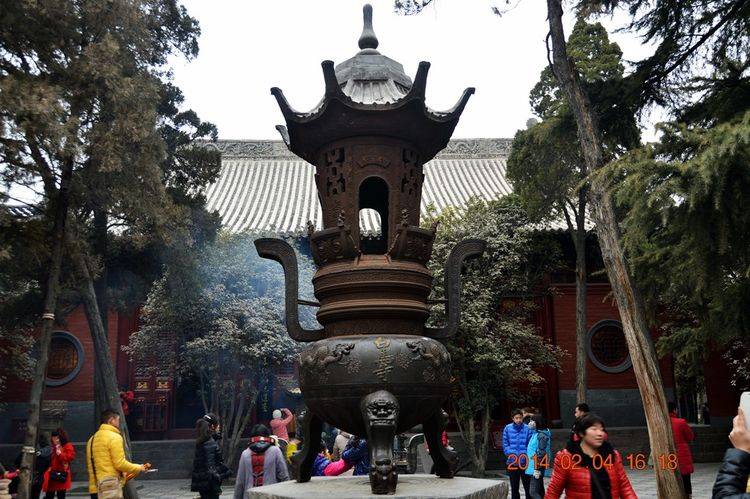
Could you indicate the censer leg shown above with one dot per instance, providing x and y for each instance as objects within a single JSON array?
[
  {"x": 380, "y": 413},
  {"x": 445, "y": 460},
  {"x": 312, "y": 429}
]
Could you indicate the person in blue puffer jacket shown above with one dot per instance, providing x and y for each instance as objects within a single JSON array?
[
  {"x": 540, "y": 456},
  {"x": 357, "y": 453},
  {"x": 323, "y": 466},
  {"x": 516, "y": 437}
]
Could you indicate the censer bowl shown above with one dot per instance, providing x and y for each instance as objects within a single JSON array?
[{"x": 338, "y": 373}]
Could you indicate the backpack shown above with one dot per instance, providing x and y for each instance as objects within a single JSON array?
[
  {"x": 258, "y": 447},
  {"x": 257, "y": 461}
]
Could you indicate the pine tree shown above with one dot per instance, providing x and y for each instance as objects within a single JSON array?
[
  {"x": 81, "y": 86},
  {"x": 546, "y": 165}
]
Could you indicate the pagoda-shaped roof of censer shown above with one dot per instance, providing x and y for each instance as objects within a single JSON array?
[{"x": 369, "y": 95}]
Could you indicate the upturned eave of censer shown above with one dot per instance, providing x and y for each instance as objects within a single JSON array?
[{"x": 369, "y": 95}]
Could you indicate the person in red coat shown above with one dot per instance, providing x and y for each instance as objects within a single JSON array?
[
  {"x": 682, "y": 435},
  {"x": 589, "y": 468},
  {"x": 63, "y": 454},
  {"x": 126, "y": 398}
]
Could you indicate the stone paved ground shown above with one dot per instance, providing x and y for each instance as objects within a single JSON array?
[{"x": 643, "y": 482}]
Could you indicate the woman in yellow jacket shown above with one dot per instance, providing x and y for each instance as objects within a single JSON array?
[{"x": 105, "y": 459}]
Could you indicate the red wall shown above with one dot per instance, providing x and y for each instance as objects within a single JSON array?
[
  {"x": 600, "y": 306},
  {"x": 723, "y": 398},
  {"x": 81, "y": 388}
]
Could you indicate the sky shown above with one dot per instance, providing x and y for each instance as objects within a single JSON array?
[{"x": 249, "y": 46}]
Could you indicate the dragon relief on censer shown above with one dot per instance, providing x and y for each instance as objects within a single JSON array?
[{"x": 374, "y": 369}]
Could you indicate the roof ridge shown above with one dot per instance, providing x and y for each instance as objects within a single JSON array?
[{"x": 276, "y": 149}]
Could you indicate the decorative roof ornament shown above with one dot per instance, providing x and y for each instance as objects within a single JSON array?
[
  {"x": 368, "y": 40},
  {"x": 369, "y": 94}
]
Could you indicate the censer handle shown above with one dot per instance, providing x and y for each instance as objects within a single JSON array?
[
  {"x": 280, "y": 251},
  {"x": 464, "y": 250}
]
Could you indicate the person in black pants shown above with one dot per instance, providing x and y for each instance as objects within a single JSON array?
[
  {"x": 208, "y": 466},
  {"x": 516, "y": 436},
  {"x": 731, "y": 481},
  {"x": 41, "y": 463}
]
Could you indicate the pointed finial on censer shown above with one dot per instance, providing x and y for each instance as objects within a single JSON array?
[{"x": 367, "y": 39}]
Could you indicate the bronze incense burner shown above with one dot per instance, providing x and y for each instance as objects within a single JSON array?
[{"x": 374, "y": 369}]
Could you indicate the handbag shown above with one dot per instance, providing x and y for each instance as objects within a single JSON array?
[
  {"x": 58, "y": 476},
  {"x": 109, "y": 487}
]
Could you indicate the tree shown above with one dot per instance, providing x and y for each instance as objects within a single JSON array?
[
  {"x": 172, "y": 219},
  {"x": 686, "y": 224},
  {"x": 21, "y": 294},
  {"x": 629, "y": 301},
  {"x": 545, "y": 163},
  {"x": 219, "y": 322},
  {"x": 684, "y": 33},
  {"x": 689, "y": 35},
  {"x": 79, "y": 91},
  {"x": 545, "y": 168},
  {"x": 496, "y": 352}
]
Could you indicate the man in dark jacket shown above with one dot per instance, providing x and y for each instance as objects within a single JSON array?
[
  {"x": 580, "y": 411},
  {"x": 41, "y": 463},
  {"x": 731, "y": 482}
]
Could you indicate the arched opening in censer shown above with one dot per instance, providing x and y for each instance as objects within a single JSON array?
[{"x": 373, "y": 194}]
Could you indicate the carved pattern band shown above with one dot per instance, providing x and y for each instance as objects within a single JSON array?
[{"x": 276, "y": 149}]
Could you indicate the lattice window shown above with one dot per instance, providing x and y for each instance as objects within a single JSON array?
[
  {"x": 607, "y": 347},
  {"x": 65, "y": 358}
]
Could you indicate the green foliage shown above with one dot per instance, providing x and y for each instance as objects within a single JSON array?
[
  {"x": 220, "y": 322},
  {"x": 493, "y": 335},
  {"x": 84, "y": 87},
  {"x": 410, "y": 7},
  {"x": 545, "y": 164},
  {"x": 596, "y": 59},
  {"x": 687, "y": 226},
  {"x": 232, "y": 298},
  {"x": 545, "y": 167},
  {"x": 725, "y": 94},
  {"x": 737, "y": 357},
  {"x": 20, "y": 295},
  {"x": 690, "y": 35},
  {"x": 497, "y": 350},
  {"x": 86, "y": 83},
  {"x": 598, "y": 63}
]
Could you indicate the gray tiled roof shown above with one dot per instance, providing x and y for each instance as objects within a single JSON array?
[
  {"x": 19, "y": 211},
  {"x": 263, "y": 187}
]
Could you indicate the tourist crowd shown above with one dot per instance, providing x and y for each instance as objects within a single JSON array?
[{"x": 588, "y": 467}]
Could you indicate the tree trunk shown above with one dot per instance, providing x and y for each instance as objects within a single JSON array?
[
  {"x": 581, "y": 292},
  {"x": 477, "y": 451},
  {"x": 99, "y": 245},
  {"x": 471, "y": 445},
  {"x": 233, "y": 432},
  {"x": 101, "y": 352},
  {"x": 469, "y": 436},
  {"x": 484, "y": 440},
  {"x": 48, "y": 322},
  {"x": 629, "y": 301}
]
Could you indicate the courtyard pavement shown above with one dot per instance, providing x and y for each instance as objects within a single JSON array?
[{"x": 643, "y": 483}]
